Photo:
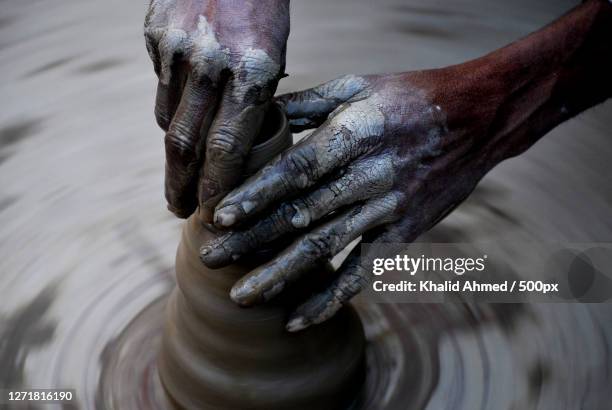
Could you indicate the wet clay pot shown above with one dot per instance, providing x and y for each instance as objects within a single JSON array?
[{"x": 216, "y": 355}]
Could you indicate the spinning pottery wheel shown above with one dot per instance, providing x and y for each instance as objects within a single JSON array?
[{"x": 88, "y": 257}]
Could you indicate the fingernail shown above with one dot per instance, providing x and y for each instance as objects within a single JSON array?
[
  {"x": 296, "y": 324},
  {"x": 214, "y": 257},
  {"x": 240, "y": 295},
  {"x": 228, "y": 215},
  {"x": 301, "y": 218}
]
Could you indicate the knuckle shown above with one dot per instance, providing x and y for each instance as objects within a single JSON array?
[
  {"x": 358, "y": 184},
  {"x": 254, "y": 75},
  {"x": 338, "y": 189},
  {"x": 281, "y": 220},
  {"x": 310, "y": 208},
  {"x": 289, "y": 183},
  {"x": 152, "y": 34},
  {"x": 276, "y": 224},
  {"x": 247, "y": 240},
  {"x": 208, "y": 63},
  {"x": 255, "y": 61},
  {"x": 316, "y": 245},
  {"x": 301, "y": 167},
  {"x": 205, "y": 73},
  {"x": 225, "y": 146},
  {"x": 343, "y": 143},
  {"x": 354, "y": 282},
  {"x": 180, "y": 146},
  {"x": 257, "y": 64},
  {"x": 361, "y": 126},
  {"x": 180, "y": 129},
  {"x": 172, "y": 42},
  {"x": 380, "y": 210},
  {"x": 170, "y": 49}
]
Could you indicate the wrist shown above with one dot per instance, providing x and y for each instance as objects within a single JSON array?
[{"x": 544, "y": 79}]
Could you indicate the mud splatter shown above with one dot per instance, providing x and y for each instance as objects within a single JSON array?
[
  {"x": 100, "y": 65},
  {"x": 14, "y": 133},
  {"x": 51, "y": 65},
  {"x": 26, "y": 329}
]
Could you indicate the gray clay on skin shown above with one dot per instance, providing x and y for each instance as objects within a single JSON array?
[{"x": 218, "y": 67}]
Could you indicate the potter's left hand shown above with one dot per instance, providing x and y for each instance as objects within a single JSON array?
[
  {"x": 384, "y": 164},
  {"x": 218, "y": 63}
]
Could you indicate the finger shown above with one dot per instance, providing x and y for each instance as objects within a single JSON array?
[
  {"x": 172, "y": 74},
  {"x": 298, "y": 168},
  {"x": 237, "y": 123},
  {"x": 363, "y": 180},
  {"x": 310, "y": 108},
  {"x": 228, "y": 248},
  {"x": 336, "y": 143},
  {"x": 308, "y": 251},
  {"x": 229, "y": 141},
  {"x": 168, "y": 96},
  {"x": 184, "y": 144},
  {"x": 352, "y": 278}
]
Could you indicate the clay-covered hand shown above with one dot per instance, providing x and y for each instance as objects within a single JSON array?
[
  {"x": 218, "y": 64},
  {"x": 393, "y": 154}
]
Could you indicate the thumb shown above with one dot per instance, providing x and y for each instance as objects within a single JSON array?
[{"x": 310, "y": 108}]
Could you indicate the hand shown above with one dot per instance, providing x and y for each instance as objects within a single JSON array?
[
  {"x": 218, "y": 64},
  {"x": 394, "y": 154}
]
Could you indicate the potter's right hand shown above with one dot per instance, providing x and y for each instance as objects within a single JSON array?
[
  {"x": 218, "y": 63},
  {"x": 394, "y": 153},
  {"x": 391, "y": 156}
]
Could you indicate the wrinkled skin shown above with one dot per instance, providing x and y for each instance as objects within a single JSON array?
[
  {"x": 218, "y": 64},
  {"x": 384, "y": 163},
  {"x": 393, "y": 154}
]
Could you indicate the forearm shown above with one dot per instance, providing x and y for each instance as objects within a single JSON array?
[{"x": 536, "y": 83}]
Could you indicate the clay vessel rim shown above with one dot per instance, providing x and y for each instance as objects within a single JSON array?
[{"x": 278, "y": 134}]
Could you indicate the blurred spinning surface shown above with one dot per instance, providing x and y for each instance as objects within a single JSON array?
[{"x": 87, "y": 245}]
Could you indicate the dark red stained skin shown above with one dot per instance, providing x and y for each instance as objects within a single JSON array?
[{"x": 401, "y": 151}]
